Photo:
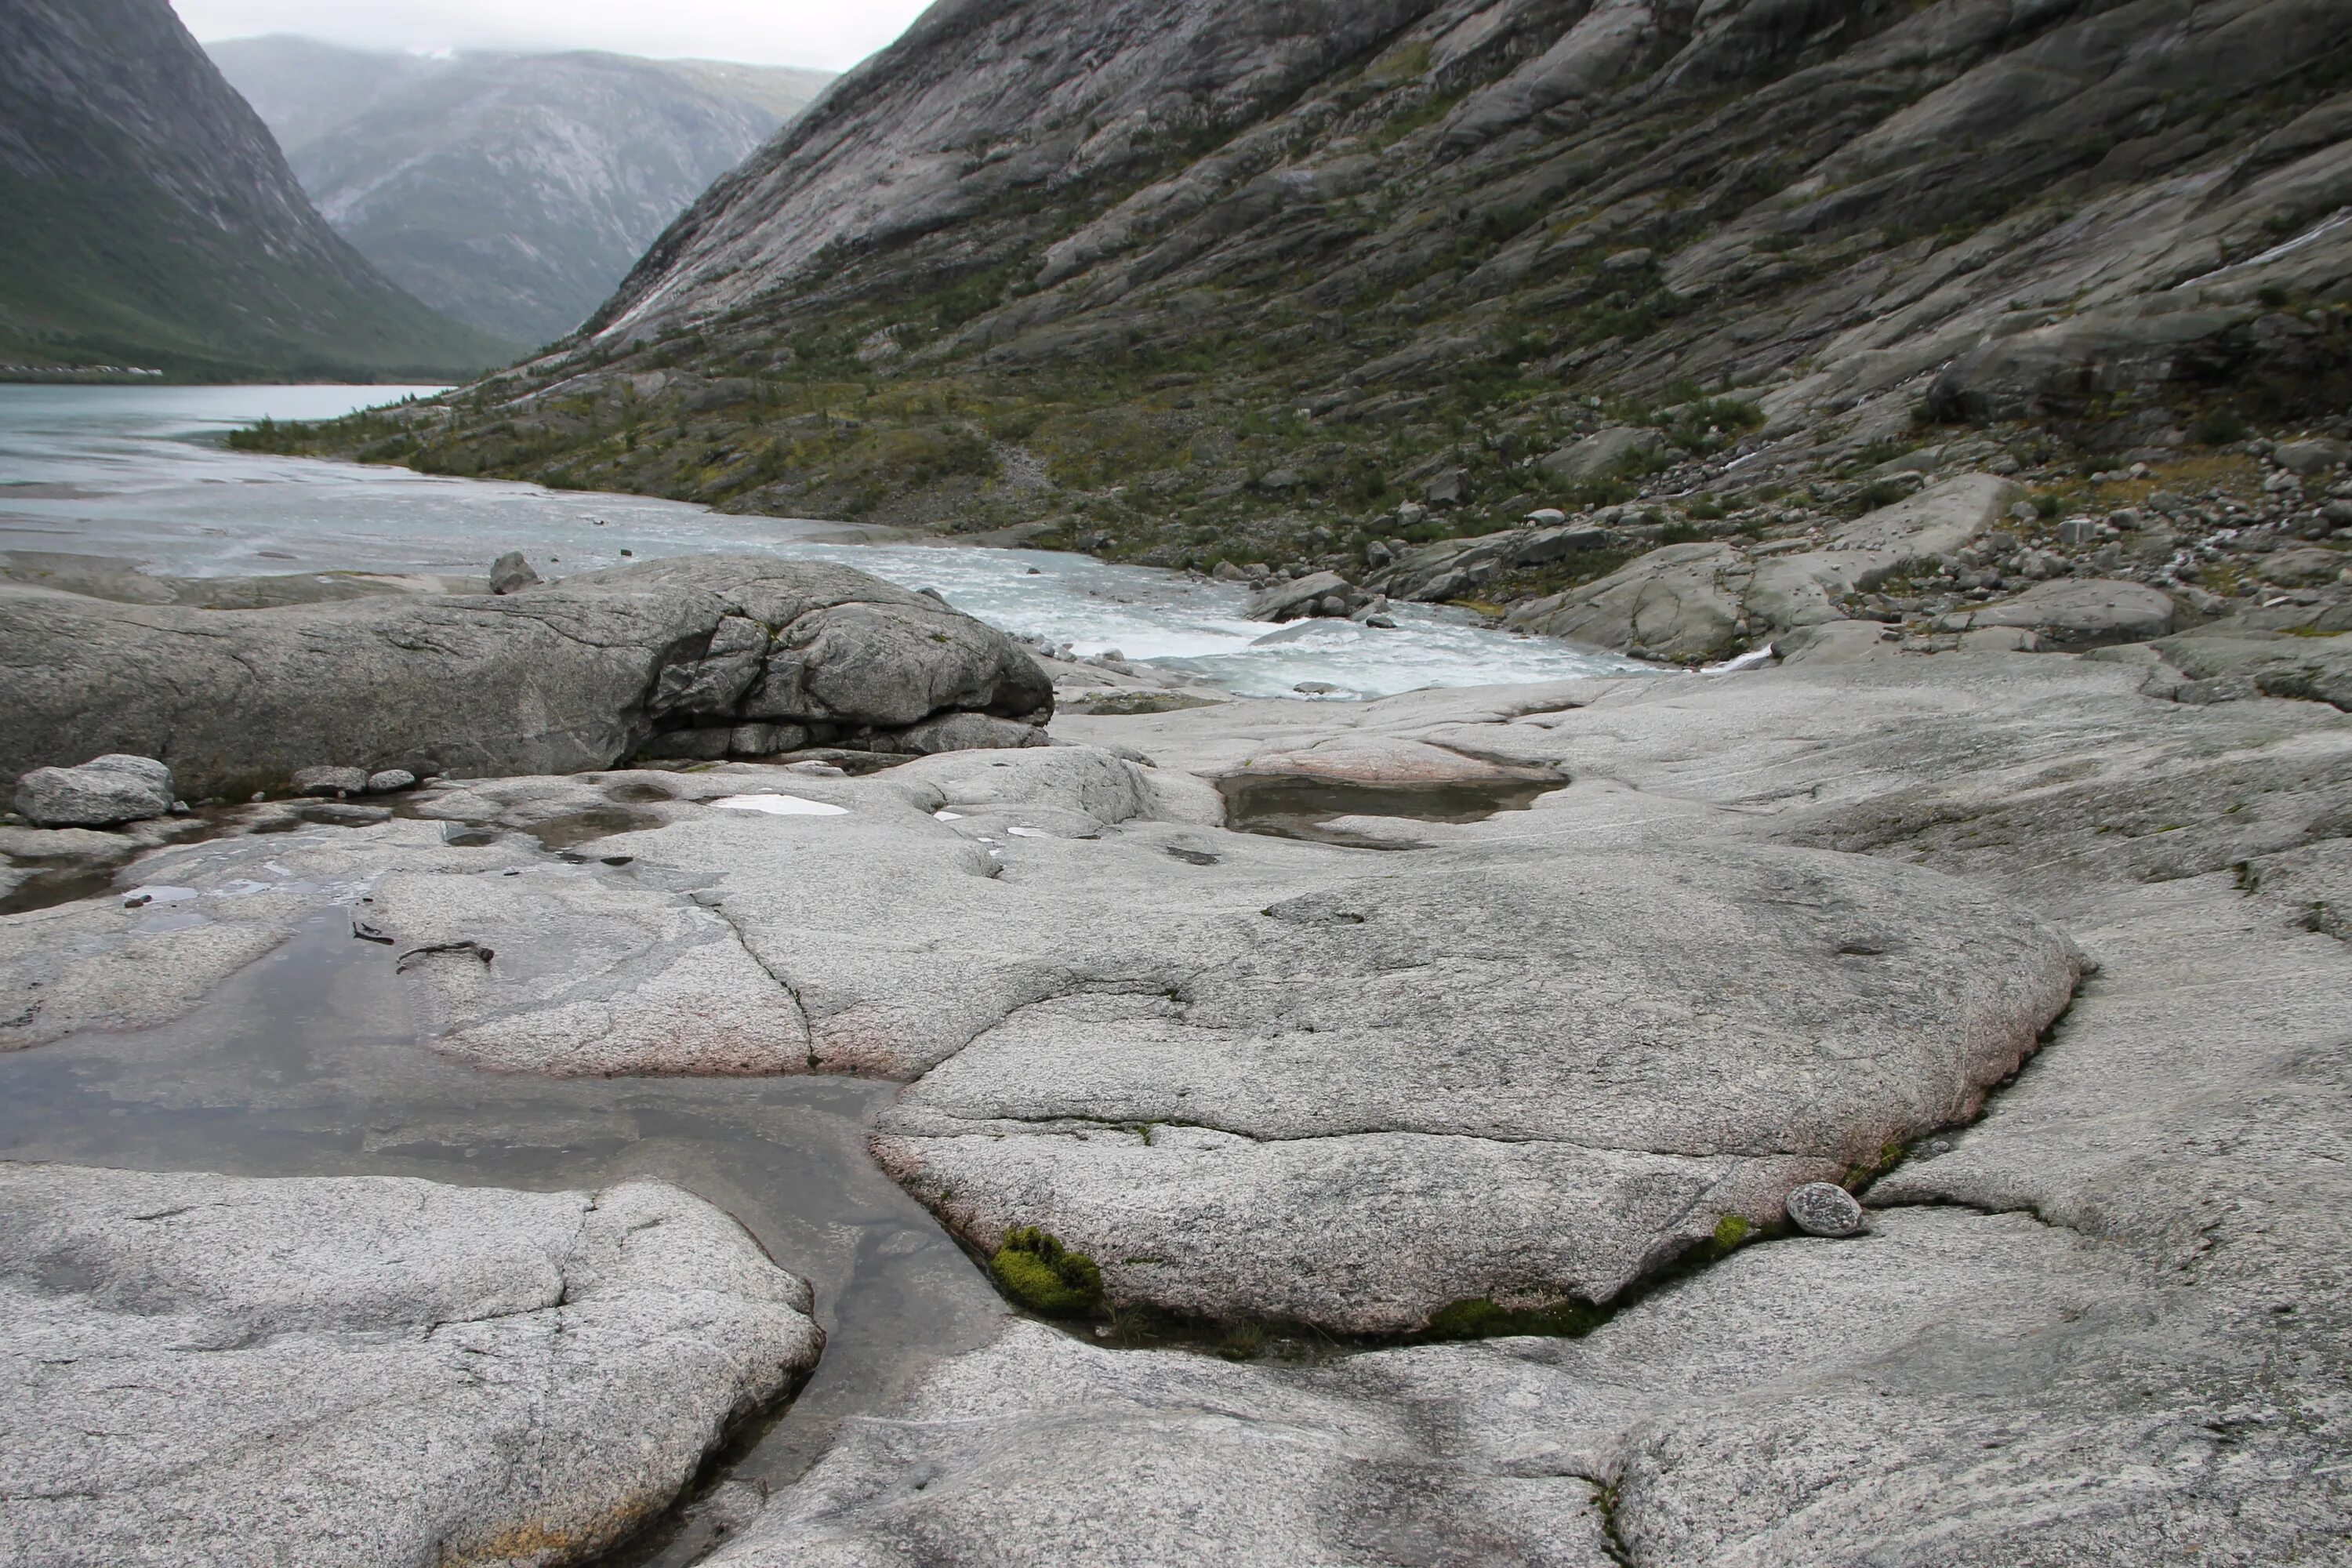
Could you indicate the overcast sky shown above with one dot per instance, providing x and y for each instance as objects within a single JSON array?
[{"x": 832, "y": 35}]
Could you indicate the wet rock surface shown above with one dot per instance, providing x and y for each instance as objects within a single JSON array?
[
  {"x": 370, "y": 1369},
  {"x": 2099, "y": 1324},
  {"x": 1776, "y": 927}
]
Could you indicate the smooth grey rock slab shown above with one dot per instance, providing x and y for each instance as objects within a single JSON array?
[
  {"x": 204, "y": 1369},
  {"x": 1042, "y": 1450},
  {"x": 100, "y": 793},
  {"x": 1480, "y": 1078},
  {"x": 591, "y": 976},
  {"x": 209, "y": 909},
  {"x": 2311, "y": 670},
  {"x": 1676, "y": 603},
  {"x": 2134, "y": 1358},
  {"x": 1824, "y": 1208},
  {"x": 1601, "y": 453}
]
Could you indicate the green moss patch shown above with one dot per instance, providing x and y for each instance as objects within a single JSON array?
[
  {"x": 1035, "y": 1271},
  {"x": 1479, "y": 1319}
]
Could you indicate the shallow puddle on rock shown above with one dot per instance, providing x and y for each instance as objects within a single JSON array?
[
  {"x": 586, "y": 826},
  {"x": 1293, "y": 806},
  {"x": 306, "y": 1064},
  {"x": 49, "y": 887}
]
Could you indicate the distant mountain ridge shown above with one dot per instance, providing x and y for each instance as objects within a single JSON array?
[
  {"x": 512, "y": 191},
  {"x": 152, "y": 220},
  {"x": 1184, "y": 280}
]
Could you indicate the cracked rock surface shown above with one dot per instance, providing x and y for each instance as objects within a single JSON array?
[
  {"x": 1271, "y": 1081},
  {"x": 2104, "y": 1324},
  {"x": 206, "y": 1369},
  {"x": 1776, "y": 922}
]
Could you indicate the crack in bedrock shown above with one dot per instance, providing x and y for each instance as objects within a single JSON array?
[{"x": 983, "y": 1125}]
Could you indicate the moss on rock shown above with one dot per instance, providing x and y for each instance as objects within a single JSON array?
[{"x": 1036, "y": 1271}]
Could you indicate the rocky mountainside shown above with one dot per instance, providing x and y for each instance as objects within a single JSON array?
[
  {"x": 153, "y": 221},
  {"x": 511, "y": 191},
  {"x": 1279, "y": 282}
]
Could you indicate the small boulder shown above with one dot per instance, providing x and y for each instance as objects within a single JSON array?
[
  {"x": 2308, "y": 565},
  {"x": 2312, "y": 456},
  {"x": 961, "y": 733},
  {"x": 391, "y": 781},
  {"x": 100, "y": 793},
  {"x": 510, "y": 574},
  {"x": 1449, "y": 487},
  {"x": 1821, "y": 1208},
  {"x": 330, "y": 781}
]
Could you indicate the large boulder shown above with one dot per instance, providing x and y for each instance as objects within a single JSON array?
[
  {"x": 100, "y": 793},
  {"x": 2078, "y": 613},
  {"x": 569, "y": 676},
  {"x": 1688, "y": 603},
  {"x": 1680, "y": 602},
  {"x": 354, "y": 1372},
  {"x": 1316, "y": 594}
]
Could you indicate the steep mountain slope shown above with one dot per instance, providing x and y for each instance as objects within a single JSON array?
[
  {"x": 304, "y": 89},
  {"x": 1243, "y": 275},
  {"x": 512, "y": 191},
  {"x": 151, "y": 219}
]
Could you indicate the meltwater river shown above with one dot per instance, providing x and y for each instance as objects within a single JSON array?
[{"x": 143, "y": 473}]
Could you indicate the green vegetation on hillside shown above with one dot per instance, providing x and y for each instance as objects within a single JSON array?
[{"x": 104, "y": 272}]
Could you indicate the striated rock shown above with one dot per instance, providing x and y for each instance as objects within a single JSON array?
[
  {"x": 2294, "y": 568},
  {"x": 961, "y": 733},
  {"x": 2228, "y": 663},
  {"x": 100, "y": 793},
  {"x": 1451, "y": 567},
  {"x": 474, "y": 1375},
  {"x": 571, "y": 676},
  {"x": 1601, "y": 455}
]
